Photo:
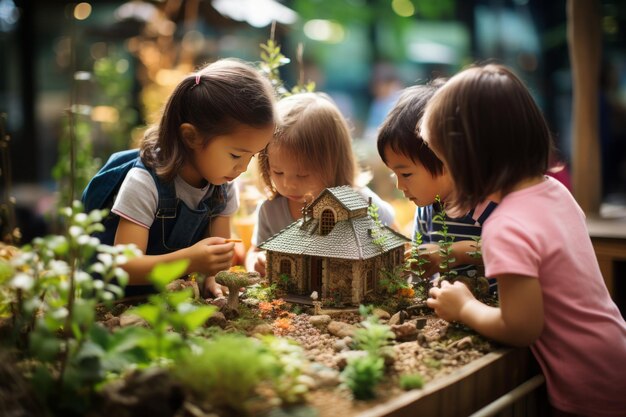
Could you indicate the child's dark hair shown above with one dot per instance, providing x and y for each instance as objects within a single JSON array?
[
  {"x": 486, "y": 127},
  {"x": 215, "y": 100},
  {"x": 398, "y": 131}
]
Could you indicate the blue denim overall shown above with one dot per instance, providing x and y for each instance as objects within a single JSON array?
[{"x": 175, "y": 226}]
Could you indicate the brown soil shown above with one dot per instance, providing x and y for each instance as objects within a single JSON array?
[
  {"x": 439, "y": 349},
  {"x": 442, "y": 349}
]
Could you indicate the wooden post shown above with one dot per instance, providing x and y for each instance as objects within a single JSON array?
[{"x": 585, "y": 44}]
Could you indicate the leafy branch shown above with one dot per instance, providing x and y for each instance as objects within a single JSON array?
[
  {"x": 378, "y": 237},
  {"x": 272, "y": 59},
  {"x": 445, "y": 244}
]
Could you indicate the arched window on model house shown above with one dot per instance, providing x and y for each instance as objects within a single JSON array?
[{"x": 328, "y": 222}]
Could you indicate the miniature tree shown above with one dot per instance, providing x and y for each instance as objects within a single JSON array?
[
  {"x": 379, "y": 238},
  {"x": 415, "y": 263},
  {"x": 235, "y": 279},
  {"x": 445, "y": 245}
]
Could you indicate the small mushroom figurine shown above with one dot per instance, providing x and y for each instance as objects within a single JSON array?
[{"x": 234, "y": 279}]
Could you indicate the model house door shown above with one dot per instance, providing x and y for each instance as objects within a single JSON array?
[{"x": 315, "y": 278}]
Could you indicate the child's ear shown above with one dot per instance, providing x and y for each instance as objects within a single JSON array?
[{"x": 189, "y": 134}]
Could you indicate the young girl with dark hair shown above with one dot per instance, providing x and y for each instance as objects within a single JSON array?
[
  {"x": 492, "y": 138},
  {"x": 177, "y": 201}
]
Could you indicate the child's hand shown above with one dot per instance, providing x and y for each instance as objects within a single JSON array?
[
  {"x": 212, "y": 287},
  {"x": 210, "y": 256},
  {"x": 259, "y": 264},
  {"x": 448, "y": 300}
]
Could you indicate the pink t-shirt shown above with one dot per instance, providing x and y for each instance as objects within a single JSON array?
[{"x": 540, "y": 231}]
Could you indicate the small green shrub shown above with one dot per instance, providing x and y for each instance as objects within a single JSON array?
[
  {"x": 373, "y": 337},
  {"x": 170, "y": 310},
  {"x": 287, "y": 383},
  {"x": 393, "y": 282},
  {"x": 261, "y": 292},
  {"x": 226, "y": 370},
  {"x": 411, "y": 381},
  {"x": 362, "y": 374}
]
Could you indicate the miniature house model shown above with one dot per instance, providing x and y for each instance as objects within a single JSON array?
[{"x": 336, "y": 249}]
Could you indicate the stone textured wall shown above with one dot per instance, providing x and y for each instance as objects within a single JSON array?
[
  {"x": 326, "y": 202},
  {"x": 296, "y": 283},
  {"x": 338, "y": 279}
]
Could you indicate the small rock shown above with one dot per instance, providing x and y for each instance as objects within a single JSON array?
[
  {"x": 252, "y": 302},
  {"x": 464, "y": 343},
  {"x": 307, "y": 381},
  {"x": 181, "y": 284},
  {"x": 404, "y": 332},
  {"x": 321, "y": 321},
  {"x": 381, "y": 314},
  {"x": 323, "y": 375},
  {"x": 132, "y": 320},
  {"x": 421, "y": 339},
  {"x": 340, "y": 346},
  {"x": 327, "y": 378},
  {"x": 218, "y": 302},
  {"x": 340, "y": 329},
  {"x": 398, "y": 318},
  {"x": 343, "y": 357},
  {"x": 112, "y": 323},
  {"x": 262, "y": 329},
  {"x": 443, "y": 332},
  {"x": 217, "y": 319}
]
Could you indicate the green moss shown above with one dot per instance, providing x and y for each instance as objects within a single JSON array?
[
  {"x": 226, "y": 371},
  {"x": 432, "y": 363},
  {"x": 411, "y": 381}
]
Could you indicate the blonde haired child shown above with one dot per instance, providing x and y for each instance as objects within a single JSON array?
[
  {"x": 311, "y": 150},
  {"x": 491, "y": 136},
  {"x": 177, "y": 199}
]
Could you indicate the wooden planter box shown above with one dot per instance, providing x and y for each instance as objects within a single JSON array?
[{"x": 506, "y": 382}]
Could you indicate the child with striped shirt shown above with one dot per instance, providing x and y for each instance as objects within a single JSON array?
[{"x": 421, "y": 177}]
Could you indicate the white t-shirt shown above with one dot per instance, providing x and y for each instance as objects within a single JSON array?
[
  {"x": 274, "y": 215},
  {"x": 138, "y": 198}
]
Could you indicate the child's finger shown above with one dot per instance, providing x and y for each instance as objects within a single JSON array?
[{"x": 222, "y": 248}]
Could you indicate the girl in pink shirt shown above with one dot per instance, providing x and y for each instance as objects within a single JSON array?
[{"x": 486, "y": 128}]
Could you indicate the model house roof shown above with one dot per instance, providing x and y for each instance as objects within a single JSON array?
[{"x": 346, "y": 196}]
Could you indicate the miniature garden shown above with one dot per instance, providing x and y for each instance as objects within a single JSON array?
[{"x": 72, "y": 345}]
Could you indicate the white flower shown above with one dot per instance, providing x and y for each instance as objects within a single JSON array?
[
  {"x": 23, "y": 281},
  {"x": 83, "y": 240},
  {"x": 75, "y": 231},
  {"x": 314, "y": 295}
]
